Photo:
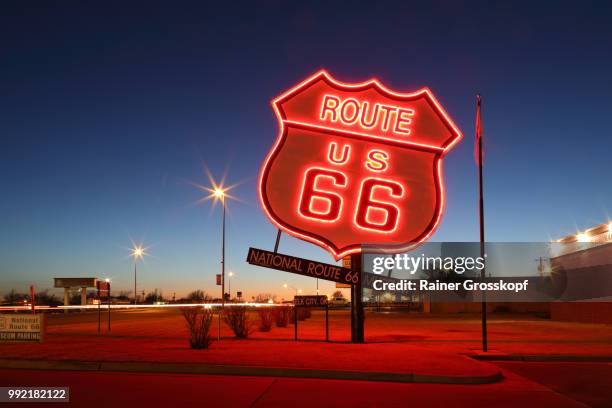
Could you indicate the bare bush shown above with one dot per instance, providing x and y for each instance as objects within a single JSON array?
[
  {"x": 198, "y": 321},
  {"x": 237, "y": 319},
  {"x": 266, "y": 318},
  {"x": 302, "y": 313},
  {"x": 198, "y": 295},
  {"x": 281, "y": 315},
  {"x": 265, "y": 297}
]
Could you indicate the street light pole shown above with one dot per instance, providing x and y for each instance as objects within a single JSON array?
[
  {"x": 223, "y": 253},
  {"x": 135, "y": 293},
  {"x": 220, "y": 194},
  {"x": 137, "y": 252},
  {"x": 229, "y": 284}
]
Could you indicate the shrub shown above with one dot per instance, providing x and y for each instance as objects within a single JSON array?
[
  {"x": 198, "y": 321},
  {"x": 501, "y": 309},
  {"x": 198, "y": 295},
  {"x": 266, "y": 318},
  {"x": 302, "y": 313},
  {"x": 238, "y": 320},
  {"x": 281, "y": 315}
]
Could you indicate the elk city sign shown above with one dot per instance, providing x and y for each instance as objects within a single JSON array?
[
  {"x": 310, "y": 301},
  {"x": 357, "y": 164}
]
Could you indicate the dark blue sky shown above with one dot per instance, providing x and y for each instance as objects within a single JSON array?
[{"x": 108, "y": 114}]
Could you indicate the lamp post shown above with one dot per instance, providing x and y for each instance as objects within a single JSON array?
[
  {"x": 229, "y": 284},
  {"x": 137, "y": 252},
  {"x": 219, "y": 194}
]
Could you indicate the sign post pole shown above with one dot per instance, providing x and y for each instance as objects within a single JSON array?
[
  {"x": 357, "y": 316},
  {"x": 317, "y": 301},
  {"x": 99, "y": 310},
  {"x": 278, "y": 237},
  {"x": 481, "y": 219},
  {"x": 109, "y": 307},
  {"x": 295, "y": 320},
  {"x": 326, "y": 322},
  {"x": 33, "y": 299}
]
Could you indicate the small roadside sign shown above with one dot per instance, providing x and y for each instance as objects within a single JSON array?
[
  {"x": 103, "y": 288},
  {"x": 310, "y": 301},
  {"x": 22, "y": 328}
]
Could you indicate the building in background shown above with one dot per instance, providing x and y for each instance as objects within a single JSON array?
[{"x": 586, "y": 260}]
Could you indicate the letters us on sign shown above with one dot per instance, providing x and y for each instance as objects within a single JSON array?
[{"x": 302, "y": 266}]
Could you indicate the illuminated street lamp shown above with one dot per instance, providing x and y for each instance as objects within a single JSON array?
[
  {"x": 138, "y": 252},
  {"x": 220, "y": 195},
  {"x": 292, "y": 287},
  {"x": 219, "y": 192}
]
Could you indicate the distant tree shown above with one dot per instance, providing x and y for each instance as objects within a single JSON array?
[
  {"x": 123, "y": 295},
  {"x": 155, "y": 296},
  {"x": 44, "y": 298},
  {"x": 265, "y": 297},
  {"x": 198, "y": 295},
  {"x": 338, "y": 294},
  {"x": 14, "y": 297},
  {"x": 75, "y": 298}
]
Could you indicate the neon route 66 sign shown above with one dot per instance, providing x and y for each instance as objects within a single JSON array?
[{"x": 357, "y": 164}]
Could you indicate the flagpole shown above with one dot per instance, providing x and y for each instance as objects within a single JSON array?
[{"x": 481, "y": 216}]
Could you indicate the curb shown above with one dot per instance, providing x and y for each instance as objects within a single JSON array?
[
  {"x": 542, "y": 358},
  {"x": 187, "y": 368}
]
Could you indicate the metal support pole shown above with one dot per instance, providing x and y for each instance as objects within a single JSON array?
[
  {"x": 223, "y": 257},
  {"x": 295, "y": 318},
  {"x": 109, "y": 308},
  {"x": 357, "y": 315},
  {"x": 218, "y": 323},
  {"x": 482, "y": 230},
  {"x": 99, "y": 311},
  {"x": 135, "y": 293},
  {"x": 326, "y": 322},
  {"x": 278, "y": 236},
  {"x": 32, "y": 299},
  {"x": 222, "y": 268}
]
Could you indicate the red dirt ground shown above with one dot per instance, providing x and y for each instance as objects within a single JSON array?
[{"x": 396, "y": 342}]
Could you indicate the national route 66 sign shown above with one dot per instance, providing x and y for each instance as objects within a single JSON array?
[{"x": 356, "y": 165}]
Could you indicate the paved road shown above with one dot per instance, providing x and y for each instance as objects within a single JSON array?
[
  {"x": 590, "y": 383},
  {"x": 115, "y": 389}
]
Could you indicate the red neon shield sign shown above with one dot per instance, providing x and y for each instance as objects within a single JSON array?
[{"x": 357, "y": 164}]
